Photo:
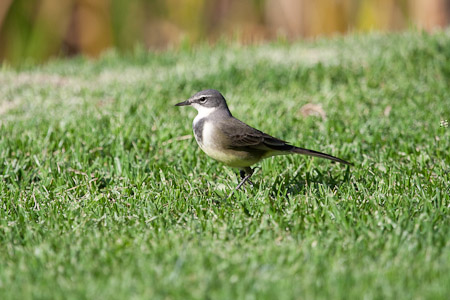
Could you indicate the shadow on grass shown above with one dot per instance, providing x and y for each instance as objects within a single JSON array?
[{"x": 284, "y": 186}]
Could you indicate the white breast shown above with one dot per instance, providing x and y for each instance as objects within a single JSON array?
[
  {"x": 211, "y": 141},
  {"x": 210, "y": 144},
  {"x": 203, "y": 112},
  {"x": 208, "y": 135}
]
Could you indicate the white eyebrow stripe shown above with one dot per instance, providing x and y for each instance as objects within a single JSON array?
[{"x": 201, "y": 96}]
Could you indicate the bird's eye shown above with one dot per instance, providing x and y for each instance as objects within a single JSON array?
[{"x": 202, "y": 100}]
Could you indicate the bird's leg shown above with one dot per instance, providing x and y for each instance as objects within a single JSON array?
[{"x": 245, "y": 176}]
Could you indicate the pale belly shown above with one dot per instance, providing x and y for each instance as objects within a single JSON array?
[{"x": 212, "y": 146}]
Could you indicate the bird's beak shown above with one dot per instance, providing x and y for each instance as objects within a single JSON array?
[{"x": 187, "y": 102}]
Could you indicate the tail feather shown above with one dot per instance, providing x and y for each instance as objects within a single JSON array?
[{"x": 319, "y": 154}]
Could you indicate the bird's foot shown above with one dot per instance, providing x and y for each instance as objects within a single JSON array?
[
  {"x": 244, "y": 180},
  {"x": 245, "y": 177}
]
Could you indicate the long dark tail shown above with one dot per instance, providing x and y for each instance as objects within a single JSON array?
[{"x": 319, "y": 154}]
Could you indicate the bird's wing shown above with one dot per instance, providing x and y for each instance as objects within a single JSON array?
[{"x": 240, "y": 135}]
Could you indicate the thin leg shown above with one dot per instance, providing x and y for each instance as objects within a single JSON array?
[
  {"x": 245, "y": 176},
  {"x": 243, "y": 181},
  {"x": 242, "y": 173}
]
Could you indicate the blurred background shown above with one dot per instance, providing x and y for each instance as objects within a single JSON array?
[{"x": 36, "y": 30}]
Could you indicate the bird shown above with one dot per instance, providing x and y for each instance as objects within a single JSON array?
[{"x": 234, "y": 143}]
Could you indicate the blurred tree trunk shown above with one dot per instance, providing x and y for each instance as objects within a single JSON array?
[
  {"x": 4, "y": 7},
  {"x": 431, "y": 14},
  {"x": 39, "y": 29}
]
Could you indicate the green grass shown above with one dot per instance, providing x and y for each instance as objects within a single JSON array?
[{"x": 104, "y": 197}]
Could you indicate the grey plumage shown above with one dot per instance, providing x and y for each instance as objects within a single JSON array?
[
  {"x": 242, "y": 137},
  {"x": 198, "y": 130},
  {"x": 231, "y": 141}
]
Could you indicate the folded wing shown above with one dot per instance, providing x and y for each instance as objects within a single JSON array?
[{"x": 242, "y": 137}]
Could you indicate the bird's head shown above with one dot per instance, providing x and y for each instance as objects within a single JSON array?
[{"x": 206, "y": 101}]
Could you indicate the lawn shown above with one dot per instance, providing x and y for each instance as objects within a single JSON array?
[{"x": 105, "y": 194}]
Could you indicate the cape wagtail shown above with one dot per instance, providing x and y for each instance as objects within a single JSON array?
[{"x": 232, "y": 142}]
